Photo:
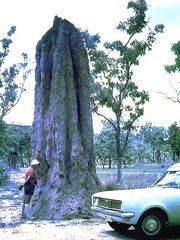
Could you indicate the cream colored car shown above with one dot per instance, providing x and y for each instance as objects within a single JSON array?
[{"x": 150, "y": 210}]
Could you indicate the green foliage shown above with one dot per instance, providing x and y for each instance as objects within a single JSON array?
[
  {"x": 147, "y": 144},
  {"x": 19, "y": 141},
  {"x": 174, "y": 141},
  {"x": 136, "y": 23},
  {"x": 24, "y": 147},
  {"x": 155, "y": 144},
  {"x": 110, "y": 185},
  {"x": 112, "y": 71},
  {"x": 175, "y": 68},
  {"x": 4, "y": 177},
  {"x": 104, "y": 144},
  {"x": 15, "y": 144},
  {"x": 12, "y": 78},
  {"x": 3, "y": 138}
]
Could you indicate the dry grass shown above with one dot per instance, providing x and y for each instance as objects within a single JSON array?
[{"x": 129, "y": 180}]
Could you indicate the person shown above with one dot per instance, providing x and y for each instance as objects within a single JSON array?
[{"x": 29, "y": 186}]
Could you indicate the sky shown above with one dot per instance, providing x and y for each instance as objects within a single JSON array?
[{"x": 33, "y": 19}]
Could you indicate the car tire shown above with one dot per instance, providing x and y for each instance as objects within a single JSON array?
[
  {"x": 119, "y": 227},
  {"x": 151, "y": 225}
]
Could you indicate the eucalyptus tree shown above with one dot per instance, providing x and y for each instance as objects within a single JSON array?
[
  {"x": 24, "y": 145},
  {"x": 155, "y": 142},
  {"x": 136, "y": 151},
  {"x": 18, "y": 144},
  {"x": 104, "y": 145},
  {"x": 3, "y": 139},
  {"x": 175, "y": 68},
  {"x": 112, "y": 67},
  {"x": 174, "y": 141},
  {"x": 12, "y": 77}
]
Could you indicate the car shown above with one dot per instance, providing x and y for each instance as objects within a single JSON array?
[{"x": 149, "y": 210}]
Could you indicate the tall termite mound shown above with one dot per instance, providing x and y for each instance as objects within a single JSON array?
[{"x": 62, "y": 137}]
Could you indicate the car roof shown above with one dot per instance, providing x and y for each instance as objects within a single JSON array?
[{"x": 174, "y": 167}]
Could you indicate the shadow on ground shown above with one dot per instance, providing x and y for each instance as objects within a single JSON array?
[{"x": 172, "y": 233}]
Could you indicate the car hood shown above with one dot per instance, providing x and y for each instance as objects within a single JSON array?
[{"x": 135, "y": 194}]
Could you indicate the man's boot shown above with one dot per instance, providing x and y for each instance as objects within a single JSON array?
[{"x": 27, "y": 211}]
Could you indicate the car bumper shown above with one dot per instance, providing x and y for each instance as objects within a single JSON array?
[{"x": 111, "y": 215}]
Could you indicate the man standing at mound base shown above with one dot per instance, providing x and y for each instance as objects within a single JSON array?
[{"x": 29, "y": 186}]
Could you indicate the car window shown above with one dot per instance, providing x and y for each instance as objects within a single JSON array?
[{"x": 169, "y": 179}]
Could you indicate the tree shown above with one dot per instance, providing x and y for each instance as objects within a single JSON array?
[
  {"x": 3, "y": 138},
  {"x": 174, "y": 141},
  {"x": 137, "y": 150},
  {"x": 24, "y": 146},
  {"x": 104, "y": 145},
  {"x": 112, "y": 71},
  {"x": 18, "y": 145},
  {"x": 12, "y": 78},
  {"x": 172, "y": 69},
  {"x": 154, "y": 140}
]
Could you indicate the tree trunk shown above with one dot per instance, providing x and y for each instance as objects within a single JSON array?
[
  {"x": 13, "y": 160},
  {"x": 118, "y": 153},
  {"x": 110, "y": 163},
  {"x": 62, "y": 138}
]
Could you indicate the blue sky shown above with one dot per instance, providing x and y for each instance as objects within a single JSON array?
[
  {"x": 166, "y": 14},
  {"x": 33, "y": 18}
]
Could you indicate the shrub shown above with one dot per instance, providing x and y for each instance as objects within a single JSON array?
[
  {"x": 110, "y": 185},
  {"x": 4, "y": 177}
]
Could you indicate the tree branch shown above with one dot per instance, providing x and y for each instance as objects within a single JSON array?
[{"x": 107, "y": 119}]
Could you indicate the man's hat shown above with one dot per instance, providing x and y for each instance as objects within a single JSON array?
[{"x": 34, "y": 162}]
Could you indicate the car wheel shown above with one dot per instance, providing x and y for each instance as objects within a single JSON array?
[
  {"x": 151, "y": 225},
  {"x": 119, "y": 227}
]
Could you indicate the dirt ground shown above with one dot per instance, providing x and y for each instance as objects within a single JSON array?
[{"x": 12, "y": 227}]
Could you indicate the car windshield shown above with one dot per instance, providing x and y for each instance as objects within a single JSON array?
[{"x": 169, "y": 179}]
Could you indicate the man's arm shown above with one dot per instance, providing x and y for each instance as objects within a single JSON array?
[
  {"x": 28, "y": 175},
  {"x": 27, "y": 178}
]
